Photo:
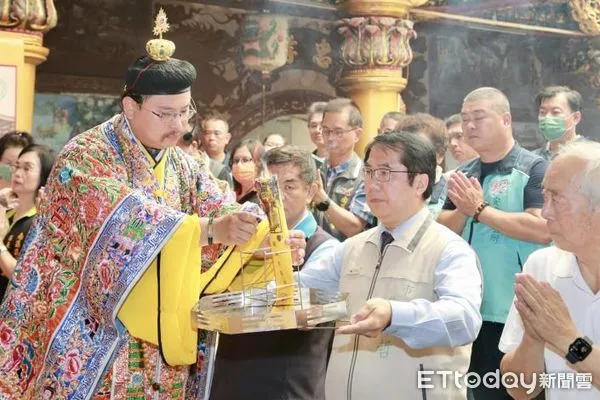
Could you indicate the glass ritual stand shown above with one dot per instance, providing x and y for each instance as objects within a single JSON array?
[{"x": 259, "y": 307}]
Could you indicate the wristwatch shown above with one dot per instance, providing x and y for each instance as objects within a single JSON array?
[
  {"x": 579, "y": 349},
  {"x": 324, "y": 205},
  {"x": 3, "y": 248}
]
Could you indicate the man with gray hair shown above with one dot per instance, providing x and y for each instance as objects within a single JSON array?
[
  {"x": 495, "y": 202},
  {"x": 340, "y": 200},
  {"x": 554, "y": 324},
  {"x": 286, "y": 364},
  {"x": 389, "y": 121},
  {"x": 559, "y": 112},
  {"x": 214, "y": 138}
]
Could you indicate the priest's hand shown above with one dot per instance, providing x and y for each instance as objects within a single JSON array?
[
  {"x": 235, "y": 228},
  {"x": 372, "y": 319}
]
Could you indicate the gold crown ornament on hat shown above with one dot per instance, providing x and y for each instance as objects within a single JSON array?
[{"x": 160, "y": 49}]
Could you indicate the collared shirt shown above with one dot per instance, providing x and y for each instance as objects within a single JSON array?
[
  {"x": 419, "y": 322},
  {"x": 439, "y": 193},
  {"x": 545, "y": 152},
  {"x": 334, "y": 172},
  {"x": 308, "y": 225},
  {"x": 561, "y": 270},
  {"x": 345, "y": 187}
]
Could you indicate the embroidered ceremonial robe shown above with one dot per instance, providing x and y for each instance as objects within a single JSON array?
[{"x": 115, "y": 240}]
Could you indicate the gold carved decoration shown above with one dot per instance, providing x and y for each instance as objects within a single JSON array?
[
  {"x": 292, "y": 53},
  {"x": 32, "y": 15},
  {"x": 587, "y": 14},
  {"x": 376, "y": 42},
  {"x": 323, "y": 50},
  {"x": 160, "y": 49},
  {"x": 398, "y": 8}
]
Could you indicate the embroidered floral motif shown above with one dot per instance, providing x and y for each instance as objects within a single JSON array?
[
  {"x": 94, "y": 237},
  {"x": 64, "y": 175}
]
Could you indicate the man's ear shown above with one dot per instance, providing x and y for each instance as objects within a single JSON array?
[
  {"x": 228, "y": 138},
  {"x": 312, "y": 190},
  {"x": 507, "y": 119},
  {"x": 420, "y": 183},
  {"x": 129, "y": 107},
  {"x": 357, "y": 134},
  {"x": 577, "y": 117}
]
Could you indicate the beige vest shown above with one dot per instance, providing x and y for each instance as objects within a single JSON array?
[{"x": 386, "y": 368}]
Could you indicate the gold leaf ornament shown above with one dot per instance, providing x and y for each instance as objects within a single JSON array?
[{"x": 160, "y": 49}]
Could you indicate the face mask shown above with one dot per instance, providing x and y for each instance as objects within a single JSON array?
[
  {"x": 553, "y": 127},
  {"x": 244, "y": 173}
]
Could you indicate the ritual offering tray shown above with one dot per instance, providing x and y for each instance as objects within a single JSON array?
[
  {"x": 252, "y": 287},
  {"x": 255, "y": 310}
]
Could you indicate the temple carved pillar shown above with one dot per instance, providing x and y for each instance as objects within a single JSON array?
[
  {"x": 22, "y": 27},
  {"x": 376, "y": 50}
]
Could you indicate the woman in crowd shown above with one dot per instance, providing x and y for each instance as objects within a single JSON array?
[
  {"x": 11, "y": 145},
  {"x": 246, "y": 165},
  {"x": 29, "y": 174}
]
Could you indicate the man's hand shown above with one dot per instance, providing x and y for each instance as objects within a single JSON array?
[
  {"x": 371, "y": 320},
  {"x": 4, "y": 225},
  {"x": 8, "y": 198},
  {"x": 544, "y": 313},
  {"x": 297, "y": 243},
  {"x": 321, "y": 194},
  {"x": 465, "y": 193},
  {"x": 235, "y": 228}
]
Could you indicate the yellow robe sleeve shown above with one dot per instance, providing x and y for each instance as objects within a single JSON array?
[{"x": 179, "y": 291}]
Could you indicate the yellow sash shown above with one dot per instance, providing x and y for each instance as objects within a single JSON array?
[
  {"x": 180, "y": 264},
  {"x": 223, "y": 275}
]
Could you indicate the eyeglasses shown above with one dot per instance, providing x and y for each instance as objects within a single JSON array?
[
  {"x": 241, "y": 161},
  {"x": 337, "y": 133},
  {"x": 382, "y": 174},
  {"x": 27, "y": 168},
  {"x": 168, "y": 118}
]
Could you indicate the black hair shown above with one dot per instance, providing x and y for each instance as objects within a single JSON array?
[
  {"x": 295, "y": 156},
  {"x": 14, "y": 139},
  {"x": 415, "y": 152},
  {"x": 256, "y": 149},
  {"x": 47, "y": 157},
  {"x": 573, "y": 97}
]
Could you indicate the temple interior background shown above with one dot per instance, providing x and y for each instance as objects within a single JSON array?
[{"x": 453, "y": 47}]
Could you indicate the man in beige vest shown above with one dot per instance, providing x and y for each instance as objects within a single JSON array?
[{"x": 420, "y": 281}]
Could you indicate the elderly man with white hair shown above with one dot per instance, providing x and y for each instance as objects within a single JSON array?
[{"x": 553, "y": 328}]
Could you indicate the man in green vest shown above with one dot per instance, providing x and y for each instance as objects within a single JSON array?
[{"x": 495, "y": 202}]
